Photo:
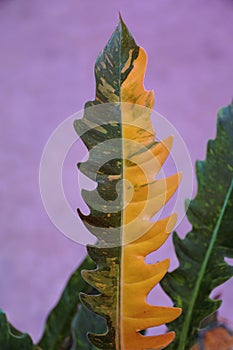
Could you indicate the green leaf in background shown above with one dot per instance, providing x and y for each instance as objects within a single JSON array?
[
  {"x": 201, "y": 254},
  {"x": 11, "y": 341},
  {"x": 86, "y": 321},
  {"x": 58, "y": 325}
]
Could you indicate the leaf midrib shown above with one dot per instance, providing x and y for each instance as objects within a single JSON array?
[
  {"x": 118, "y": 330},
  {"x": 187, "y": 320}
]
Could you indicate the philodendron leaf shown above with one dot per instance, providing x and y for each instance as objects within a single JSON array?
[
  {"x": 201, "y": 254},
  {"x": 86, "y": 321},
  {"x": 118, "y": 133},
  {"x": 58, "y": 325},
  {"x": 11, "y": 341}
]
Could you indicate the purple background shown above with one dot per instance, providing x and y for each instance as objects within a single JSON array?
[{"x": 47, "y": 54}]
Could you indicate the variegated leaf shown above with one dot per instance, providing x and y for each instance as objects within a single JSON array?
[{"x": 124, "y": 159}]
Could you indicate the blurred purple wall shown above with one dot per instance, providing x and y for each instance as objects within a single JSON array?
[{"x": 47, "y": 54}]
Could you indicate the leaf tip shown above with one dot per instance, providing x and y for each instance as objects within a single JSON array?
[
  {"x": 122, "y": 27},
  {"x": 179, "y": 311},
  {"x": 121, "y": 22},
  {"x": 120, "y": 17},
  {"x": 171, "y": 223}
]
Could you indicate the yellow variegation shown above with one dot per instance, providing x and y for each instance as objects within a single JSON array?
[{"x": 138, "y": 277}]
